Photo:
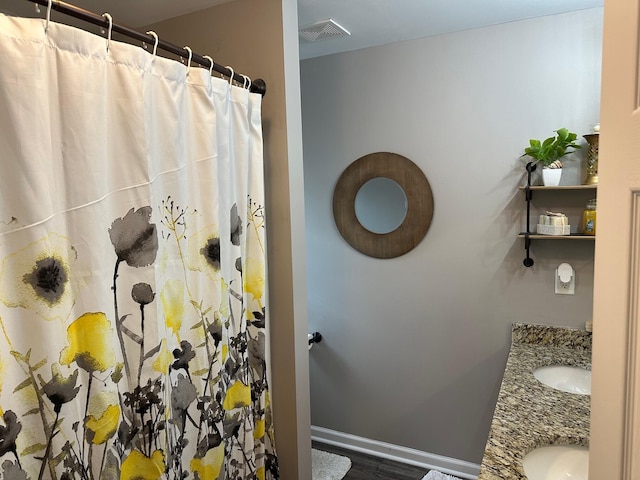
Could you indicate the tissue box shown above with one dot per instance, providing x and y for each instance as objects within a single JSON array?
[{"x": 554, "y": 229}]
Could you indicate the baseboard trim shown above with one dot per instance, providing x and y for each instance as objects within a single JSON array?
[{"x": 451, "y": 466}]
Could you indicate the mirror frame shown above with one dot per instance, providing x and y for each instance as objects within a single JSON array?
[{"x": 419, "y": 205}]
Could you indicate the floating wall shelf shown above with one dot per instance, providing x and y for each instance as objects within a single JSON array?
[{"x": 528, "y": 236}]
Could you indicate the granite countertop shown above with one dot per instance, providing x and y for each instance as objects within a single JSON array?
[{"x": 529, "y": 414}]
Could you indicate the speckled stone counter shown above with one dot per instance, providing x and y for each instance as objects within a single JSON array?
[{"x": 529, "y": 414}]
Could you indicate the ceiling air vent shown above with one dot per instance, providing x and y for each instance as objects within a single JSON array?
[{"x": 321, "y": 30}]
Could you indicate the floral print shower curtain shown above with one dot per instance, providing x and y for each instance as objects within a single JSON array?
[{"x": 132, "y": 265}]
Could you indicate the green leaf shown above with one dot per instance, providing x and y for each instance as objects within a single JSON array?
[
  {"x": 33, "y": 411},
  {"x": 38, "y": 447},
  {"x": 21, "y": 357},
  {"x": 59, "y": 458},
  {"x": 563, "y": 133},
  {"x": 152, "y": 352},
  {"x": 548, "y": 142},
  {"x": 40, "y": 364},
  {"x": 197, "y": 325},
  {"x": 133, "y": 336},
  {"x": 18, "y": 356},
  {"x": 25, "y": 384},
  {"x": 203, "y": 371}
]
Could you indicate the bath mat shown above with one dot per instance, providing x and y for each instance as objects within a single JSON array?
[
  {"x": 328, "y": 466},
  {"x": 433, "y": 475}
]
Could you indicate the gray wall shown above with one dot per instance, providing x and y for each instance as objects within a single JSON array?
[{"x": 414, "y": 347}]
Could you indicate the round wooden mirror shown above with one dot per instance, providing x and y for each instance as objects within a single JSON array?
[{"x": 419, "y": 204}]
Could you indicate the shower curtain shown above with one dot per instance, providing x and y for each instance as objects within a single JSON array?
[{"x": 132, "y": 265}]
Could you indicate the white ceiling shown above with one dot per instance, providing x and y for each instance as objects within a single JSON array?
[
  {"x": 378, "y": 22},
  {"x": 370, "y": 22}
]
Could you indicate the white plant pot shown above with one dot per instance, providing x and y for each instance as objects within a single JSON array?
[{"x": 551, "y": 177}]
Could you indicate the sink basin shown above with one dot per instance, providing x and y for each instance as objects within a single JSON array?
[
  {"x": 557, "y": 462},
  {"x": 565, "y": 378}
]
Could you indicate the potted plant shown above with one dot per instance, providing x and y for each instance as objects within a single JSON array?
[{"x": 549, "y": 152}]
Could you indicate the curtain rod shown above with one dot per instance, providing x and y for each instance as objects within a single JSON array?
[{"x": 257, "y": 86}]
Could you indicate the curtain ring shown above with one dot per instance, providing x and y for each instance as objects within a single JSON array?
[
  {"x": 188, "y": 49},
  {"x": 110, "y": 20},
  {"x": 46, "y": 28},
  {"x": 231, "y": 76},
  {"x": 211, "y": 62},
  {"x": 155, "y": 45},
  {"x": 246, "y": 82},
  {"x": 210, "y": 69}
]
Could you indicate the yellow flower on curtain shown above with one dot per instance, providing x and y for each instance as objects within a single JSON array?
[
  {"x": 258, "y": 429},
  {"x": 164, "y": 359},
  {"x": 172, "y": 299},
  {"x": 137, "y": 466},
  {"x": 210, "y": 466},
  {"x": 238, "y": 395},
  {"x": 41, "y": 277},
  {"x": 254, "y": 277},
  {"x": 90, "y": 343},
  {"x": 203, "y": 252},
  {"x": 101, "y": 429}
]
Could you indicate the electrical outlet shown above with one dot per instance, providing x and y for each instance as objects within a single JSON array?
[{"x": 566, "y": 288}]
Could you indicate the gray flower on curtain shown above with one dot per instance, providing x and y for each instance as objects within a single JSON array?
[
  {"x": 142, "y": 293},
  {"x": 215, "y": 330},
  {"x": 256, "y": 349},
  {"x": 13, "y": 472},
  {"x": 231, "y": 425},
  {"x": 48, "y": 279},
  {"x": 236, "y": 225},
  {"x": 183, "y": 394},
  {"x": 60, "y": 390},
  {"x": 211, "y": 252},
  {"x": 135, "y": 238},
  {"x": 41, "y": 277},
  {"x": 183, "y": 356},
  {"x": 9, "y": 433}
]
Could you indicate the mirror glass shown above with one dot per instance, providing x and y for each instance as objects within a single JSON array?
[{"x": 381, "y": 205}]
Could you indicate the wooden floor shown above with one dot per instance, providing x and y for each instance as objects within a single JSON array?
[{"x": 366, "y": 467}]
